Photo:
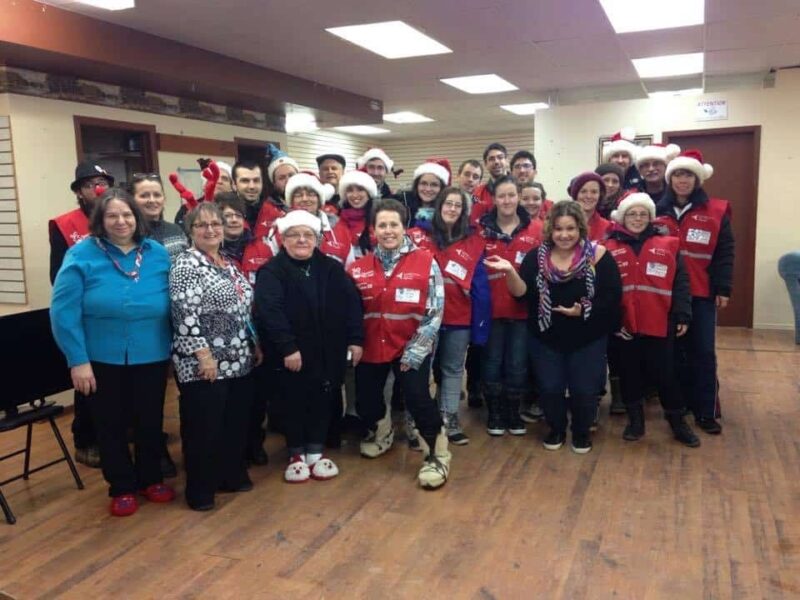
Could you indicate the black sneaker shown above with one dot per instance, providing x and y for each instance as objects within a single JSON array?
[
  {"x": 581, "y": 444},
  {"x": 554, "y": 440},
  {"x": 458, "y": 438},
  {"x": 495, "y": 425},
  {"x": 532, "y": 414},
  {"x": 710, "y": 425}
]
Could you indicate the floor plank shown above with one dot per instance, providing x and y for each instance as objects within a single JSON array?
[{"x": 644, "y": 520}]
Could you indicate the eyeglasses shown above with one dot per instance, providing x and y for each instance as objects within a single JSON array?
[
  {"x": 212, "y": 225},
  {"x": 232, "y": 215},
  {"x": 300, "y": 236},
  {"x": 523, "y": 165},
  {"x": 449, "y": 204}
]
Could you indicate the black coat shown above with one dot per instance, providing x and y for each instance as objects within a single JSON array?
[{"x": 320, "y": 326}]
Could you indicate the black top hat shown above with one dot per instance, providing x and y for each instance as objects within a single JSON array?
[
  {"x": 337, "y": 157},
  {"x": 87, "y": 170}
]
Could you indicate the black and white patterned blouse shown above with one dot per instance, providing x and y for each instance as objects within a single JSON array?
[{"x": 211, "y": 308}]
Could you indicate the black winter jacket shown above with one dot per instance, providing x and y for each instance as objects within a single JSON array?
[{"x": 321, "y": 326}]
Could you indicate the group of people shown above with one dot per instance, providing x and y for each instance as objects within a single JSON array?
[{"x": 274, "y": 294}]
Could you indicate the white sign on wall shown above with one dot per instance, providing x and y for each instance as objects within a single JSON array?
[{"x": 711, "y": 110}]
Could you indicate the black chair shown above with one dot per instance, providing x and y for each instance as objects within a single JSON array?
[{"x": 34, "y": 368}]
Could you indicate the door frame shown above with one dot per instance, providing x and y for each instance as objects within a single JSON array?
[
  {"x": 150, "y": 150},
  {"x": 755, "y": 130}
]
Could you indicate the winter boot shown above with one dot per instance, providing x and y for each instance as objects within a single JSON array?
[
  {"x": 617, "y": 405},
  {"x": 380, "y": 440},
  {"x": 680, "y": 428},
  {"x": 455, "y": 435},
  {"x": 634, "y": 430},
  {"x": 495, "y": 421},
  {"x": 436, "y": 467},
  {"x": 514, "y": 422}
]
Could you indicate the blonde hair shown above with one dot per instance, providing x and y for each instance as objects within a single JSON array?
[{"x": 565, "y": 208}]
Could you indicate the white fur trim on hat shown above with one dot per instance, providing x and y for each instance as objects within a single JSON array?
[
  {"x": 622, "y": 141},
  {"x": 360, "y": 179},
  {"x": 631, "y": 200},
  {"x": 223, "y": 166},
  {"x": 298, "y": 217},
  {"x": 657, "y": 152},
  {"x": 375, "y": 153},
  {"x": 435, "y": 169},
  {"x": 304, "y": 180},
  {"x": 702, "y": 171},
  {"x": 278, "y": 162}
]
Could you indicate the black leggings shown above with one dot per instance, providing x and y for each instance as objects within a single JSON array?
[
  {"x": 644, "y": 360},
  {"x": 370, "y": 379}
]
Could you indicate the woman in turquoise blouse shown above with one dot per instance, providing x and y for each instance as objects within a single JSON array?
[{"x": 111, "y": 318}]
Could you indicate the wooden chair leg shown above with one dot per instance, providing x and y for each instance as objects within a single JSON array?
[
  {"x": 27, "y": 467},
  {"x": 67, "y": 455},
  {"x": 10, "y": 518}
]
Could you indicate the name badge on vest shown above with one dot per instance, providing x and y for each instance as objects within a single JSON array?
[
  {"x": 698, "y": 236},
  {"x": 407, "y": 295},
  {"x": 520, "y": 257},
  {"x": 456, "y": 270},
  {"x": 657, "y": 269}
]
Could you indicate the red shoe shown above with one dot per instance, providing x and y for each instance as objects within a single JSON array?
[
  {"x": 124, "y": 506},
  {"x": 158, "y": 492}
]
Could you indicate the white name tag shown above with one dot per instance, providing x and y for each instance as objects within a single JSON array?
[
  {"x": 456, "y": 270},
  {"x": 520, "y": 257},
  {"x": 406, "y": 295},
  {"x": 698, "y": 236},
  {"x": 657, "y": 269}
]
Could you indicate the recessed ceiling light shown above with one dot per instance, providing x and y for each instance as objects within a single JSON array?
[
  {"x": 647, "y": 15},
  {"x": 110, "y": 4},
  {"x": 669, "y": 66},
  {"x": 480, "y": 84},
  {"x": 300, "y": 122},
  {"x": 667, "y": 93},
  {"x": 362, "y": 129},
  {"x": 525, "y": 109},
  {"x": 406, "y": 116},
  {"x": 391, "y": 39}
]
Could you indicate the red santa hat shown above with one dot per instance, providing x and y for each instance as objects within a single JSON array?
[
  {"x": 630, "y": 201},
  {"x": 374, "y": 153},
  {"x": 360, "y": 179},
  {"x": 690, "y": 160},
  {"x": 436, "y": 166},
  {"x": 664, "y": 153},
  {"x": 309, "y": 181},
  {"x": 295, "y": 218},
  {"x": 279, "y": 161},
  {"x": 622, "y": 141}
]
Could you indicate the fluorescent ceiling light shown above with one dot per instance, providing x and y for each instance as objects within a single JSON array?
[
  {"x": 300, "y": 122},
  {"x": 525, "y": 109},
  {"x": 406, "y": 116},
  {"x": 391, "y": 39},
  {"x": 669, "y": 66},
  {"x": 362, "y": 129},
  {"x": 647, "y": 15},
  {"x": 668, "y": 93},
  {"x": 109, "y": 4},
  {"x": 480, "y": 84}
]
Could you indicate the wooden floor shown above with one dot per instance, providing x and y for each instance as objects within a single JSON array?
[{"x": 629, "y": 520}]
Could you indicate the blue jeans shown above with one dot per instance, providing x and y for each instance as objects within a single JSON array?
[
  {"x": 581, "y": 371},
  {"x": 450, "y": 356},
  {"x": 697, "y": 359},
  {"x": 789, "y": 269},
  {"x": 505, "y": 358}
]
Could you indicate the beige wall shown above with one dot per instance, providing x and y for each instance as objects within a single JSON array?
[
  {"x": 45, "y": 157},
  {"x": 566, "y": 144}
]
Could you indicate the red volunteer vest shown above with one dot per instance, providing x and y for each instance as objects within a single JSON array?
[
  {"x": 698, "y": 231},
  {"x": 504, "y": 305},
  {"x": 74, "y": 226},
  {"x": 336, "y": 242},
  {"x": 598, "y": 228},
  {"x": 267, "y": 215},
  {"x": 458, "y": 263},
  {"x": 256, "y": 253},
  {"x": 647, "y": 282},
  {"x": 393, "y": 308}
]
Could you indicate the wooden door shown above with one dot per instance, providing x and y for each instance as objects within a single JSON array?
[{"x": 734, "y": 154}]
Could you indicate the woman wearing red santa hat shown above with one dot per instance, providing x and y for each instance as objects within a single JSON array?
[
  {"x": 358, "y": 191},
  {"x": 656, "y": 307},
  {"x": 430, "y": 178},
  {"x": 587, "y": 189},
  {"x": 706, "y": 243}
]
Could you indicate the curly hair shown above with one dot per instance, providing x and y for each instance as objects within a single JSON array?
[{"x": 565, "y": 208}]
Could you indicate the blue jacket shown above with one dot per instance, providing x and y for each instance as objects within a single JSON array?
[{"x": 99, "y": 314}]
